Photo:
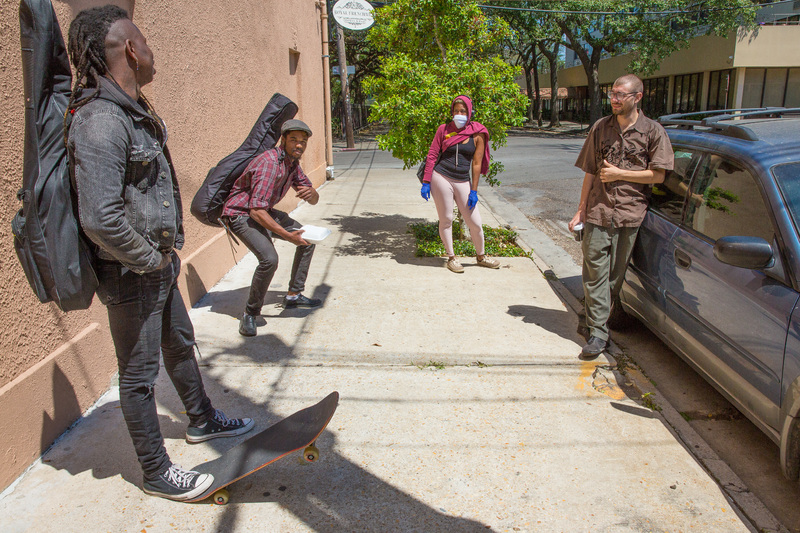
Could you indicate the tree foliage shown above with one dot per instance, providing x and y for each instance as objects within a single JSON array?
[{"x": 434, "y": 51}]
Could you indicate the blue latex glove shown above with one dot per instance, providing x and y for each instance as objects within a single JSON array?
[
  {"x": 473, "y": 199},
  {"x": 426, "y": 191}
]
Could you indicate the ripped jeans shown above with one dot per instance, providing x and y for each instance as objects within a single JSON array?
[{"x": 147, "y": 317}]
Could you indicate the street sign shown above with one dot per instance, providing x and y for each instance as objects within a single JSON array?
[
  {"x": 353, "y": 14},
  {"x": 351, "y": 69}
]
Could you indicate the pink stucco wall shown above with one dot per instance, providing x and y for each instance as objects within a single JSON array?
[{"x": 217, "y": 65}]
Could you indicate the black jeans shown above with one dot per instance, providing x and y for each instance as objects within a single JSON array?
[
  {"x": 258, "y": 240},
  {"x": 147, "y": 316}
]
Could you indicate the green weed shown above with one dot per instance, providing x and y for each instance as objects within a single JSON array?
[
  {"x": 500, "y": 242},
  {"x": 431, "y": 364},
  {"x": 648, "y": 401}
]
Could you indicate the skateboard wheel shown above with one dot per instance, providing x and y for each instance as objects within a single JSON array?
[
  {"x": 221, "y": 497},
  {"x": 311, "y": 454}
]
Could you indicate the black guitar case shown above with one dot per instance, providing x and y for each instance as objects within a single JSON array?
[
  {"x": 54, "y": 254},
  {"x": 207, "y": 204}
]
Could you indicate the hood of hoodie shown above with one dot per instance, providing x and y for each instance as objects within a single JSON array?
[{"x": 467, "y": 101}]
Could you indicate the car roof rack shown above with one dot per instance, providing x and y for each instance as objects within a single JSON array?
[{"x": 715, "y": 120}]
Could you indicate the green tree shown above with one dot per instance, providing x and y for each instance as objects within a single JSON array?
[
  {"x": 550, "y": 50},
  {"x": 532, "y": 31},
  {"x": 435, "y": 50},
  {"x": 360, "y": 54},
  {"x": 649, "y": 30},
  {"x": 521, "y": 51}
]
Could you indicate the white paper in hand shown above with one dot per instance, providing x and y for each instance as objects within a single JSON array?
[{"x": 315, "y": 234}]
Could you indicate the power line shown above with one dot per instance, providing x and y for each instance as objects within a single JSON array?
[{"x": 632, "y": 13}]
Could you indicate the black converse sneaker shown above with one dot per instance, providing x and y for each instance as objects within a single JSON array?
[
  {"x": 178, "y": 484},
  {"x": 219, "y": 426}
]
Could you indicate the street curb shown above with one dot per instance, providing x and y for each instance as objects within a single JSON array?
[{"x": 750, "y": 509}]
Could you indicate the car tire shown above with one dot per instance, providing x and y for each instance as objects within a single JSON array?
[
  {"x": 618, "y": 319},
  {"x": 790, "y": 454}
]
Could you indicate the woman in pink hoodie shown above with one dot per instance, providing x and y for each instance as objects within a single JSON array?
[{"x": 458, "y": 155}]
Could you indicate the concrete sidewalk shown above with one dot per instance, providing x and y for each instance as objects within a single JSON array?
[{"x": 464, "y": 406}]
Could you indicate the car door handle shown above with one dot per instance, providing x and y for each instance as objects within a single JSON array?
[{"x": 682, "y": 259}]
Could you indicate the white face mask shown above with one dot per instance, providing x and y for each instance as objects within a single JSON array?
[{"x": 460, "y": 121}]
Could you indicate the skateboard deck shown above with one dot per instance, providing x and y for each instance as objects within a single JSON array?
[{"x": 291, "y": 434}]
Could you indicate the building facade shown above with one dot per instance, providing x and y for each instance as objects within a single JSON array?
[
  {"x": 218, "y": 63},
  {"x": 743, "y": 70}
]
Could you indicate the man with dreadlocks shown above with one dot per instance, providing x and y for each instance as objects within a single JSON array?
[{"x": 130, "y": 207}]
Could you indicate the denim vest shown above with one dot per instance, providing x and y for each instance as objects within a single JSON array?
[{"x": 128, "y": 199}]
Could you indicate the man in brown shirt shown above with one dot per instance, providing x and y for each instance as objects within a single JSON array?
[{"x": 624, "y": 154}]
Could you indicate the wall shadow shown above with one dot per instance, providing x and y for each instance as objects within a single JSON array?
[
  {"x": 333, "y": 494},
  {"x": 66, "y": 408},
  {"x": 194, "y": 284}
]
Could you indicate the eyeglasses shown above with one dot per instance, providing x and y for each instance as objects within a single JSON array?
[{"x": 619, "y": 96}]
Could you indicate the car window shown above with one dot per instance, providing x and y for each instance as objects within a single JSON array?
[
  {"x": 725, "y": 201},
  {"x": 788, "y": 178},
  {"x": 668, "y": 197}
]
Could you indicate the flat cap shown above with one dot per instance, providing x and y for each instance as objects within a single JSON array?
[{"x": 295, "y": 125}]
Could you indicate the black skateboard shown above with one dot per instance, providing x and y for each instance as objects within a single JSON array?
[{"x": 291, "y": 434}]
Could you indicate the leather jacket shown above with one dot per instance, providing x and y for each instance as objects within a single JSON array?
[{"x": 128, "y": 199}]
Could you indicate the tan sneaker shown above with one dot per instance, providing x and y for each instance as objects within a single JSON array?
[
  {"x": 488, "y": 262},
  {"x": 454, "y": 266}
]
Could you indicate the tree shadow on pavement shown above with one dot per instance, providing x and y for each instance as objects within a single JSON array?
[{"x": 377, "y": 235}]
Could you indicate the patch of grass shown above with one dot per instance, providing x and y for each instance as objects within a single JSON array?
[
  {"x": 438, "y": 365},
  {"x": 686, "y": 417},
  {"x": 500, "y": 242},
  {"x": 479, "y": 364}
]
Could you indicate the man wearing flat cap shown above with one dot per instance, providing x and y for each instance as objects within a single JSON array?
[{"x": 251, "y": 215}]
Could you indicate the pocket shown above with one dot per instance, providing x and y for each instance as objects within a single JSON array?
[
  {"x": 117, "y": 284},
  {"x": 143, "y": 166}
]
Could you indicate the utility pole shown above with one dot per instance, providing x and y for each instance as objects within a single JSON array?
[{"x": 348, "y": 112}]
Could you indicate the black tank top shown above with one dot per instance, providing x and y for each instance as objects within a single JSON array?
[{"x": 456, "y": 161}]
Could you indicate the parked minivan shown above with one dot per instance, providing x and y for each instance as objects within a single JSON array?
[{"x": 715, "y": 272}]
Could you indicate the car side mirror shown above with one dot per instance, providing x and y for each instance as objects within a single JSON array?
[{"x": 744, "y": 252}]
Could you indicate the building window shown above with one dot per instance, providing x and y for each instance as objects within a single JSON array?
[
  {"x": 771, "y": 87},
  {"x": 605, "y": 103},
  {"x": 294, "y": 61},
  {"x": 719, "y": 87},
  {"x": 793, "y": 88},
  {"x": 686, "y": 96},
  {"x": 656, "y": 93},
  {"x": 774, "y": 87},
  {"x": 753, "y": 87}
]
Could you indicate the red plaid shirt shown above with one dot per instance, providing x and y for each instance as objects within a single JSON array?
[{"x": 265, "y": 181}]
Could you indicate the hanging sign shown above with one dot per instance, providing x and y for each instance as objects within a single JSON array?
[{"x": 353, "y": 14}]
